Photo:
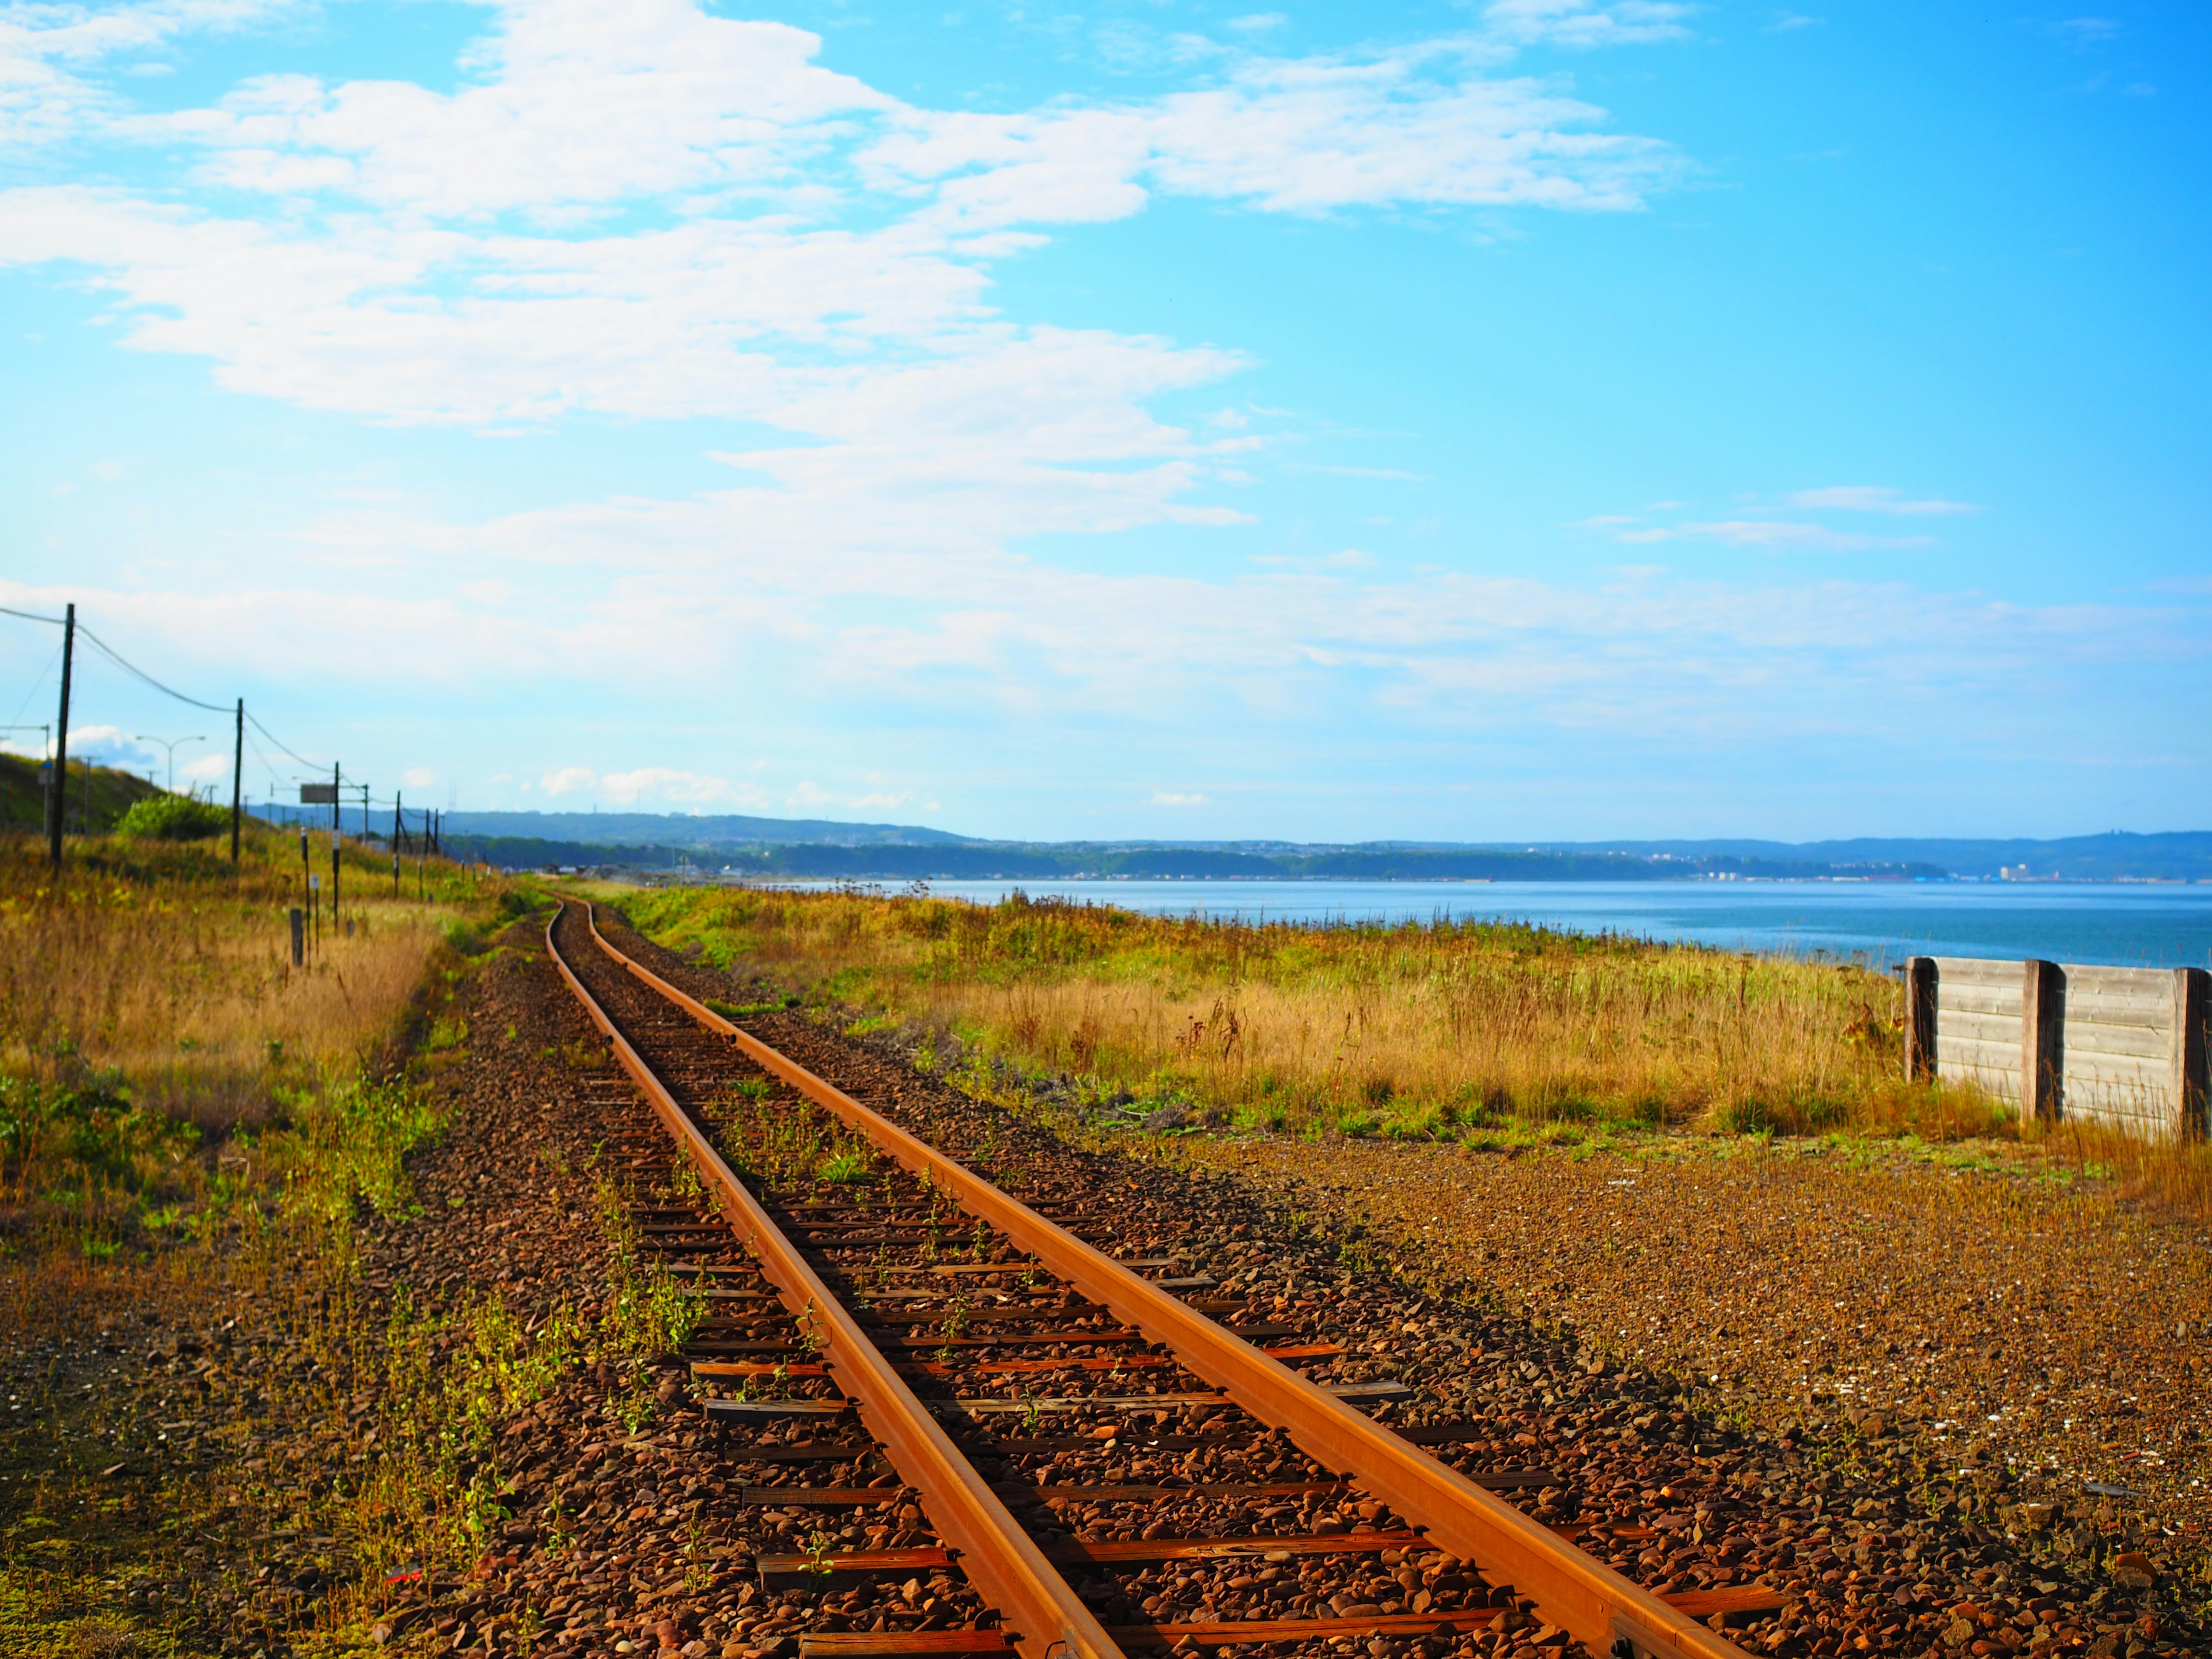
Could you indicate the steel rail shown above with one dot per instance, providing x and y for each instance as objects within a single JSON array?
[
  {"x": 1000, "y": 1558},
  {"x": 1606, "y": 1611}
]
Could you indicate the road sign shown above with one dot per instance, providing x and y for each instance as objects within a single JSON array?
[{"x": 319, "y": 794}]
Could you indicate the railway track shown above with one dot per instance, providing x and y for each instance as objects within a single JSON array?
[{"x": 931, "y": 1377}]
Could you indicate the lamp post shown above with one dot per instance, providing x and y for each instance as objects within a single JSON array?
[{"x": 169, "y": 744}]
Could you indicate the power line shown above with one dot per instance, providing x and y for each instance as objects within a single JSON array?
[
  {"x": 140, "y": 674},
  {"x": 110, "y": 652},
  {"x": 40, "y": 684},
  {"x": 279, "y": 742}
]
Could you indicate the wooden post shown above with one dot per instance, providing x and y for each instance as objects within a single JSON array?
[
  {"x": 2042, "y": 1039},
  {"x": 2192, "y": 1064},
  {"x": 1919, "y": 1018},
  {"x": 299, "y": 936}
]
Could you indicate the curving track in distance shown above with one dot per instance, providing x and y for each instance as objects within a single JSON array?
[{"x": 1472, "y": 1568}]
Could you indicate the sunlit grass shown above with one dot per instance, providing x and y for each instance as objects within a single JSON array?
[{"x": 1406, "y": 1029}]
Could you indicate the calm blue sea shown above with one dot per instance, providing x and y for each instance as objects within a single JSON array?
[{"x": 2133, "y": 927}]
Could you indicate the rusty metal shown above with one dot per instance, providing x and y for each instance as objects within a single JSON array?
[
  {"x": 1004, "y": 1564},
  {"x": 1601, "y": 1608}
]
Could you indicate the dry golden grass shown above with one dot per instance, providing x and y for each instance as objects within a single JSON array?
[
  {"x": 1399, "y": 1029},
  {"x": 158, "y": 972}
]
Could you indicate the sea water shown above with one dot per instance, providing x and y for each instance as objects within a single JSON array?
[{"x": 2121, "y": 924}]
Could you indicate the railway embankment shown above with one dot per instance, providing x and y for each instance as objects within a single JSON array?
[{"x": 435, "y": 1376}]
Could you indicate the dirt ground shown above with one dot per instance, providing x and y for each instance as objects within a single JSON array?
[{"x": 2050, "y": 1328}]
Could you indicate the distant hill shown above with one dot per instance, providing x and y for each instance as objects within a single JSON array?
[
  {"x": 827, "y": 848},
  {"x": 2184, "y": 854},
  {"x": 98, "y": 796}
]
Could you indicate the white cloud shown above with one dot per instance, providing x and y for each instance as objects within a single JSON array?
[
  {"x": 569, "y": 779},
  {"x": 1777, "y": 533},
  {"x": 1300, "y": 136},
  {"x": 1166, "y": 798},
  {"x": 49, "y": 52},
  {"x": 664, "y": 783},
  {"x": 418, "y": 777},
  {"x": 660, "y": 783},
  {"x": 203, "y": 768},
  {"x": 808, "y": 793},
  {"x": 650, "y": 211},
  {"x": 577, "y": 103},
  {"x": 1581, "y": 23},
  {"x": 110, "y": 745},
  {"x": 2086, "y": 31},
  {"x": 969, "y": 638},
  {"x": 1875, "y": 498}
]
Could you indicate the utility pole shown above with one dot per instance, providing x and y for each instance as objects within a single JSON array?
[
  {"x": 237, "y": 792},
  {"x": 57, "y": 802},
  {"x": 335, "y": 808}
]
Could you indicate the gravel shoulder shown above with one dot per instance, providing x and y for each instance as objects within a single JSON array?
[
  {"x": 2048, "y": 1330},
  {"x": 1897, "y": 1531}
]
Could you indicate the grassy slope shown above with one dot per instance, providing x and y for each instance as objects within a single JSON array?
[{"x": 103, "y": 792}]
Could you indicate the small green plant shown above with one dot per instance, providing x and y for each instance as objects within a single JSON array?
[
  {"x": 848, "y": 1164},
  {"x": 698, "y": 1569},
  {"x": 639, "y": 1403},
  {"x": 750, "y": 1010},
  {"x": 818, "y": 1549},
  {"x": 685, "y": 1183},
  {"x": 955, "y": 1325}
]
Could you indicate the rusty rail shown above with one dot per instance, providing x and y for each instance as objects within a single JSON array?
[
  {"x": 1607, "y": 1612},
  {"x": 999, "y": 1557}
]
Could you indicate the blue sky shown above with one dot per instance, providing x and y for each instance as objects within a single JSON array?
[{"x": 1548, "y": 418}]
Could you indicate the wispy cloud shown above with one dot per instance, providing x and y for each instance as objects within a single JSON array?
[
  {"x": 666, "y": 784},
  {"x": 2086, "y": 31},
  {"x": 1875, "y": 498},
  {"x": 1778, "y": 534},
  {"x": 650, "y": 211},
  {"x": 1586, "y": 23},
  {"x": 1169, "y": 798},
  {"x": 1790, "y": 534}
]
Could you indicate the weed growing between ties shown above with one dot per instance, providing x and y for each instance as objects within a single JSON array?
[{"x": 1410, "y": 1031}]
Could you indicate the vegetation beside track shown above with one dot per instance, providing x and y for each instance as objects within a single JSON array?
[
  {"x": 192, "y": 1134},
  {"x": 1411, "y": 1031},
  {"x": 1504, "y": 1037}
]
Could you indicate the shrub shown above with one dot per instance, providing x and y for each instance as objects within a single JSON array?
[
  {"x": 172, "y": 817},
  {"x": 78, "y": 1138},
  {"x": 465, "y": 939}
]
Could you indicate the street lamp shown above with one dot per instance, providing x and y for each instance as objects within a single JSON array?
[{"x": 169, "y": 744}]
